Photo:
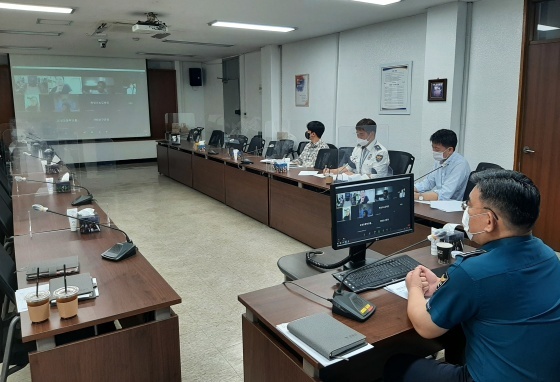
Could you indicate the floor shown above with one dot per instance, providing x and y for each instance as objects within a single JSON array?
[{"x": 208, "y": 252}]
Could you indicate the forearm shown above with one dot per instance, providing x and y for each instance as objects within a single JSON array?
[
  {"x": 419, "y": 316},
  {"x": 430, "y": 195}
]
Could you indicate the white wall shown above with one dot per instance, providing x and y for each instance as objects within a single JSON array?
[
  {"x": 494, "y": 82},
  {"x": 318, "y": 58},
  {"x": 271, "y": 77},
  {"x": 362, "y": 52},
  {"x": 190, "y": 99}
]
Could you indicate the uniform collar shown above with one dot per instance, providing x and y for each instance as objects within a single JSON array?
[
  {"x": 506, "y": 241},
  {"x": 371, "y": 145},
  {"x": 314, "y": 144}
]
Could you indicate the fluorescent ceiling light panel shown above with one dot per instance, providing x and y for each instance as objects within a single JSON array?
[
  {"x": 198, "y": 43},
  {"x": 14, "y": 47},
  {"x": 164, "y": 54},
  {"x": 31, "y": 33},
  {"x": 54, "y": 22},
  {"x": 35, "y": 8},
  {"x": 379, "y": 2},
  {"x": 545, "y": 28},
  {"x": 269, "y": 28}
]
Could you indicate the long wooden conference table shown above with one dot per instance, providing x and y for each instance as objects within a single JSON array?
[
  {"x": 128, "y": 333},
  {"x": 298, "y": 206}
]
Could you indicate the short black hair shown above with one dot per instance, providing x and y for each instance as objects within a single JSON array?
[
  {"x": 511, "y": 195},
  {"x": 445, "y": 137},
  {"x": 317, "y": 127},
  {"x": 366, "y": 124}
]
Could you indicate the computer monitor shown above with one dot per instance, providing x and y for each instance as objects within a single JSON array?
[{"x": 366, "y": 211}]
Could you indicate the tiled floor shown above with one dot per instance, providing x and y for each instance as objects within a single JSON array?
[{"x": 208, "y": 252}]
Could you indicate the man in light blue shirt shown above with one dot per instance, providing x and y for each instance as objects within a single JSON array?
[{"x": 450, "y": 179}]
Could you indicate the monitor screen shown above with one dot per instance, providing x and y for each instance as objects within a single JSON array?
[{"x": 366, "y": 211}]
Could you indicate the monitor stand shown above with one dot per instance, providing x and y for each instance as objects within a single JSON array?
[{"x": 357, "y": 254}]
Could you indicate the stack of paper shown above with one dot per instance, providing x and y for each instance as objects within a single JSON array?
[{"x": 447, "y": 205}]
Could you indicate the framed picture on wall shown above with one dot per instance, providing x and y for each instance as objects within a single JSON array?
[
  {"x": 302, "y": 90},
  {"x": 437, "y": 89}
]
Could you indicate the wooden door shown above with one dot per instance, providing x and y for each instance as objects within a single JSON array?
[
  {"x": 162, "y": 94},
  {"x": 540, "y": 132}
]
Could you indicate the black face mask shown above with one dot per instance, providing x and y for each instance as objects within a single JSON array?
[{"x": 307, "y": 135}]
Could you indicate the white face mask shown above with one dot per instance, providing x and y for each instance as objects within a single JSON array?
[
  {"x": 465, "y": 221},
  {"x": 363, "y": 142},
  {"x": 438, "y": 156}
]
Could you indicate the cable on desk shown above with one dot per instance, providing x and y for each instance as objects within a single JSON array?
[{"x": 307, "y": 290}]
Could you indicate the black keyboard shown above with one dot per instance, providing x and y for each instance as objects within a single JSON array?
[{"x": 378, "y": 274}]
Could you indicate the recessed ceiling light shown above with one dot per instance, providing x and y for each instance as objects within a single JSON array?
[
  {"x": 198, "y": 43},
  {"x": 31, "y": 33},
  {"x": 35, "y": 8},
  {"x": 545, "y": 28},
  {"x": 15, "y": 47},
  {"x": 269, "y": 28},
  {"x": 164, "y": 54},
  {"x": 54, "y": 22},
  {"x": 379, "y": 2}
]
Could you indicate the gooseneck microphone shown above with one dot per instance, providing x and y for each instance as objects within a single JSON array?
[
  {"x": 119, "y": 251},
  {"x": 79, "y": 201},
  {"x": 435, "y": 169}
]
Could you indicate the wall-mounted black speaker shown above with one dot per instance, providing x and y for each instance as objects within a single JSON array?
[{"x": 195, "y": 76}]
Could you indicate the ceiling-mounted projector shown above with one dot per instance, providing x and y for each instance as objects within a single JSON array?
[{"x": 145, "y": 28}]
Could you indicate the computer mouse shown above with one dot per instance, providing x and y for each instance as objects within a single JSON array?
[{"x": 246, "y": 161}]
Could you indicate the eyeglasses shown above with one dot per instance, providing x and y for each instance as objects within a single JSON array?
[{"x": 465, "y": 206}]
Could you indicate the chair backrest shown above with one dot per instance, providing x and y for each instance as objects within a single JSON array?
[
  {"x": 331, "y": 146},
  {"x": 271, "y": 150},
  {"x": 194, "y": 134},
  {"x": 486, "y": 166},
  {"x": 256, "y": 145},
  {"x": 326, "y": 158},
  {"x": 216, "y": 139},
  {"x": 8, "y": 280},
  {"x": 301, "y": 146},
  {"x": 470, "y": 186},
  {"x": 401, "y": 162},
  {"x": 344, "y": 154},
  {"x": 286, "y": 147}
]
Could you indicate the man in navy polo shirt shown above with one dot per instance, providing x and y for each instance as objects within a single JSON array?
[{"x": 506, "y": 297}]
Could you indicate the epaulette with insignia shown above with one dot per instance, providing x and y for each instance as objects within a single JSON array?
[
  {"x": 476, "y": 252},
  {"x": 377, "y": 147}
]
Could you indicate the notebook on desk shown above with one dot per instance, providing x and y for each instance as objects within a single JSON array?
[
  {"x": 86, "y": 284},
  {"x": 53, "y": 267}
]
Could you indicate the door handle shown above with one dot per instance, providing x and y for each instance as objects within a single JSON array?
[{"x": 527, "y": 150}]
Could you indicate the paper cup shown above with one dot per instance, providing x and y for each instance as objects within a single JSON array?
[
  {"x": 444, "y": 252},
  {"x": 38, "y": 305},
  {"x": 73, "y": 222},
  {"x": 235, "y": 152},
  {"x": 50, "y": 185}
]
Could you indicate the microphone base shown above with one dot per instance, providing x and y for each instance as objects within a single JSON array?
[
  {"x": 349, "y": 304},
  {"x": 81, "y": 200},
  {"x": 119, "y": 251}
]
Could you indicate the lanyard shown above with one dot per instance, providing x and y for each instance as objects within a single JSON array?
[{"x": 362, "y": 158}]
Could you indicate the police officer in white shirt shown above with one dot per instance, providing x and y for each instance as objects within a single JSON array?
[{"x": 369, "y": 157}]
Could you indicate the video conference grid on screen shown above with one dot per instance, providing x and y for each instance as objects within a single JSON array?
[
  {"x": 66, "y": 98},
  {"x": 368, "y": 213}
]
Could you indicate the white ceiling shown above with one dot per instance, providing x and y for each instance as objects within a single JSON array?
[{"x": 188, "y": 21}]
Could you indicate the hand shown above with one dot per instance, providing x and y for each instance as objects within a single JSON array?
[
  {"x": 415, "y": 280},
  {"x": 328, "y": 171},
  {"x": 431, "y": 279}
]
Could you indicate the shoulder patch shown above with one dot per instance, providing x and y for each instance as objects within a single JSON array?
[
  {"x": 442, "y": 280},
  {"x": 379, "y": 157},
  {"x": 476, "y": 252}
]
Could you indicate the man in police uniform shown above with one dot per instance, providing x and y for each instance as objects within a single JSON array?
[
  {"x": 506, "y": 296},
  {"x": 369, "y": 157}
]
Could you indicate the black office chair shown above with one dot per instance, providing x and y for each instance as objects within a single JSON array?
[
  {"x": 401, "y": 162},
  {"x": 470, "y": 186},
  {"x": 256, "y": 145},
  {"x": 301, "y": 146},
  {"x": 287, "y": 148},
  {"x": 326, "y": 158},
  {"x": 14, "y": 352},
  {"x": 344, "y": 154},
  {"x": 331, "y": 146},
  {"x": 194, "y": 134},
  {"x": 216, "y": 139},
  {"x": 487, "y": 166},
  {"x": 237, "y": 142}
]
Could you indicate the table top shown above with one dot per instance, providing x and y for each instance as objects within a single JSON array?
[
  {"x": 285, "y": 303},
  {"x": 129, "y": 287}
]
